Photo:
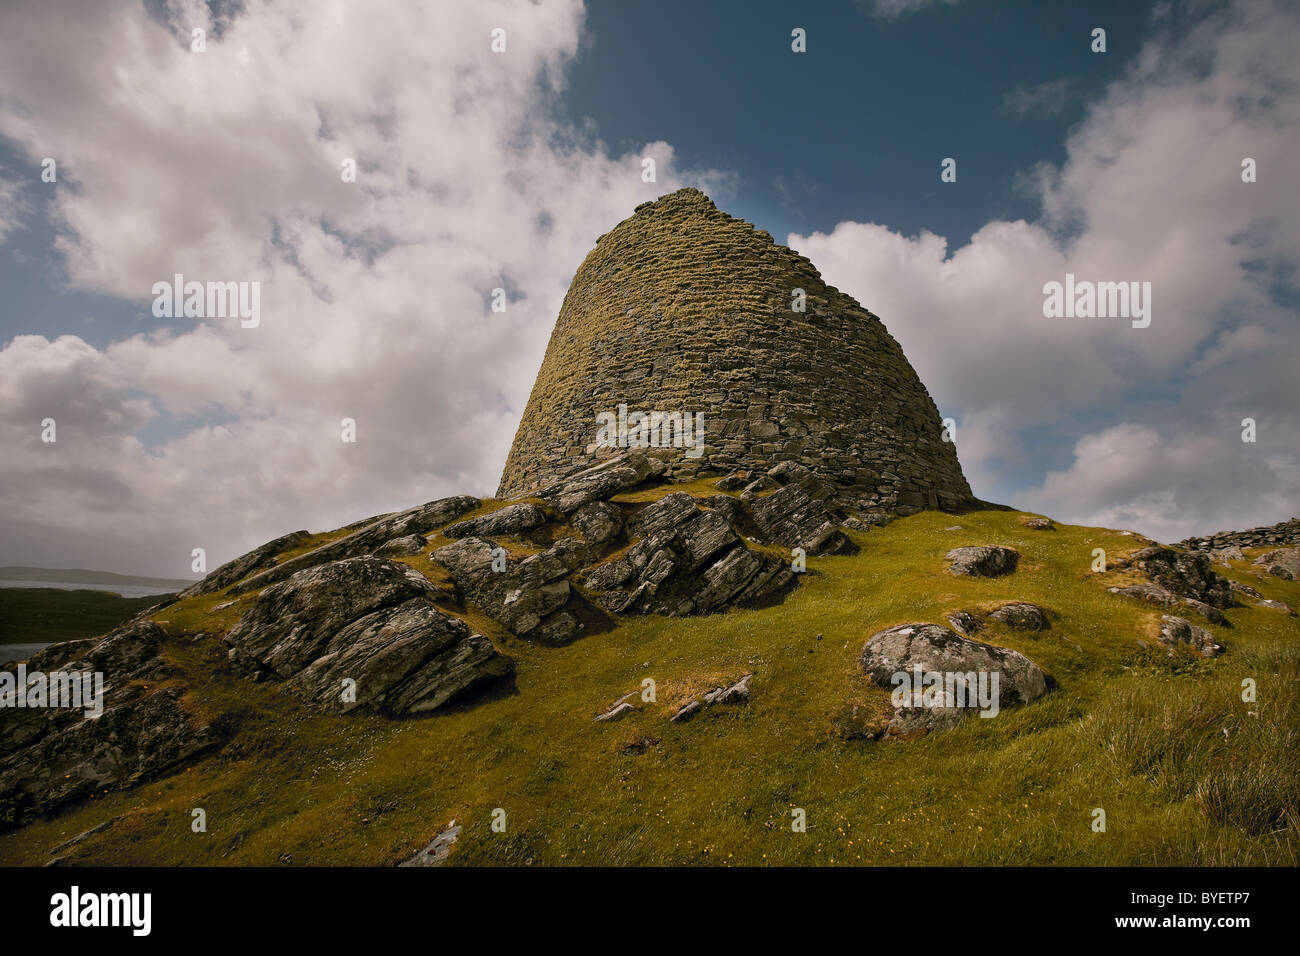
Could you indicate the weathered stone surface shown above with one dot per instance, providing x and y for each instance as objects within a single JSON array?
[
  {"x": 796, "y": 515},
  {"x": 1185, "y": 573},
  {"x": 1022, "y": 616},
  {"x": 50, "y": 757},
  {"x": 256, "y": 560},
  {"x": 1177, "y": 630},
  {"x": 439, "y": 848},
  {"x": 408, "y": 544},
  {"x": 1281, "y": 563},
  {"x": 529, "y": 596},
  {"x": 936, "y": 649},
  {"x": 1225, "y": 555},
  {"x": 601, "y": 482},
  {"x": 1157, "y": 596},
  {"x": 290, "y": 623},
  {"x": 367, "y": 539},
  {"x": 1039, "y": 524},
  {"x": 367, "y": 620},
  {"x": 1284, "y": 533},
  {"x": 621, "y": 709},
  {"x": 917, "y": 717},
  {"x": 598, "y": 521},
  {"x": 736, "y": 693},
  {"x": 986, "y": 561},
  {"x": 510, "y": 520},
  {"x": 405, "y": 659},
  {"x": 1277, "y": 606},
  {"x": 682, "y": 308},
  {"x": 685, "y": 560},
  {"x": 964, "y": 622}
]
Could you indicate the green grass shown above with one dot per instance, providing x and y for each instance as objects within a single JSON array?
[
  {"x": 1136, "y": 733},
  {"x": 35, "y": 615}
]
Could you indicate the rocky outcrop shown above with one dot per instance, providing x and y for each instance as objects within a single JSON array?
[
  {"x": 529, "y": 596},
  {"x": 366, "y": 540},
  {"x": 1184, "y": 573},
  {"x": 510, "y": 520},
  {"x": 795, "y": 515},
  {"x": 599, "y": 522},
  {"x": 362, "y": 634},
  {"x": 686, "y": 560},
  {"x": 1281, "y": 563},
  {"x": 601, "y": 482},
  {"x": 737, "y": 693},
  {"x": 1157, "y": 596},
  {"x": 50, "y": 757},
  {"x": 256, "y": 560},
  {"x": 985, "y": 561},
  {"x": 937, "y": 650},
  {"x": 1177, "y": 630}
]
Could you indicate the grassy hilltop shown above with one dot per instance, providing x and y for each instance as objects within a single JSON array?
[{"x": 1186, "y": 772}]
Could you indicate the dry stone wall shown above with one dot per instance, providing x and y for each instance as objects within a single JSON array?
[{"x": 683, "y": 308}]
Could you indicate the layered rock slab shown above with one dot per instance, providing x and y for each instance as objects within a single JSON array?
[{"x": 362, "y": 634}]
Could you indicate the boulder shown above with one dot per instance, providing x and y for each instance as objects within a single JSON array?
[
  {"x": 936, "y": 649},
  {"x": 1282, "y": 563},
  {"x": 408, "y": 544},
  {"x": 1022, "y": 616},
  {"x": 1039, "y": 524},
  {"x": 599, "y": 522},
  {"x": 1177, "y": 630},
  {"x": 1185, "y": 573},
  {"x": 986, "y": 561},
  {"x": 510, "y": 520}
]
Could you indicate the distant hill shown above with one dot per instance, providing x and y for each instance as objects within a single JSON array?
[{"x": 85, "y": 576}]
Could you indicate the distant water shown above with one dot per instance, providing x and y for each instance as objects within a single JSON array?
[
  {"x": 126, "y": 590},
  {"x": 18, "y": 652}
]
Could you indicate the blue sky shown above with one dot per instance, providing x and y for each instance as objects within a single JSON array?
[
  {"x": 223, "y": 163},
  {"x": 855, "y": 128}
]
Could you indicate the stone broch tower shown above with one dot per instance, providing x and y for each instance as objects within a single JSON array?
[{"x": 684, "y": 308}]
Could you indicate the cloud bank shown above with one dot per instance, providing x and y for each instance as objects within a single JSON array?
[{"x": 1152, "y": 190}]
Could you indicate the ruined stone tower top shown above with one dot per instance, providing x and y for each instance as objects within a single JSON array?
[{"x": 682, "y": 308}]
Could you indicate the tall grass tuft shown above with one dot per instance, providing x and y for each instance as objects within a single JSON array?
[{"x": 1195, "y": 737}]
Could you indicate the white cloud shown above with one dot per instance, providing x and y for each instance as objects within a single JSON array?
[
  {"x": 1151, "y": 191},
  {"x": 893, "y": 9},
  {"x": 225, "y": 165}
]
